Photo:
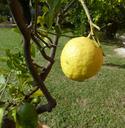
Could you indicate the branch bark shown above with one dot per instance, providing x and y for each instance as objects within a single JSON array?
[{"x": 17, "y": 12}]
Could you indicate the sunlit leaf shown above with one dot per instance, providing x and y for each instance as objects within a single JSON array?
[
  {"x": 1, "y": 116},
  {"x": 54, "y": 6},
  {"x": 2, "y": 79},
  {"x": 37, "y": 93}
]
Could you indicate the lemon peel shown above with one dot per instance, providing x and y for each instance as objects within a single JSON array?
[{"x": 81, "y": 58}]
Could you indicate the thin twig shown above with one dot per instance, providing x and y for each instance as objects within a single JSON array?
[
  {"x": 40, "y": 38},
  {"x": 41, "y": 49},
  {"x": 92, "y": 25},
  {"x": 6, "y": 83},
  {"x": 49, "y": 65},
  {"x": 38, "y": 66},
  {"x": 49, "y": 39},
  {"x": 36, "y": 14},
  {"x": 33, "y": 91},
  {"x": 52, "y": 33},
  {"x": 67, "y": 7},
  {"x": 26, "y": 32},
  {"x": 43, "y": 35}
]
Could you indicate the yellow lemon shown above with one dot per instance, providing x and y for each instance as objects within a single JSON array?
[{"x": 81, "y": 58}]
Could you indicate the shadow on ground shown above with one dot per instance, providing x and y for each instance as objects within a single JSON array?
[{"x": 114, "y": 65}]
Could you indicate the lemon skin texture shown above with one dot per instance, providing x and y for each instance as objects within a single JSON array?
[{"x": 81, "y": 58}]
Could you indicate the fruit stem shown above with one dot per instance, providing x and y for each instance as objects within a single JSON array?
[{"x": 92, "y": 25}]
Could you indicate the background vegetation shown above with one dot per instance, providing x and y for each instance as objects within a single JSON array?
[
  {"x": 108, "y": 14},
  {"x": 94, "y": 103},
  {"x": 97, "y": 102}
]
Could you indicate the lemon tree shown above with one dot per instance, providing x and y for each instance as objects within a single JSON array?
[{"x": 81, "y": 58}]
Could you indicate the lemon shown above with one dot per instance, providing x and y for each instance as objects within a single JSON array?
[
  {"x": 81, "y": 58},
  {"x": 26, "y": 116}
]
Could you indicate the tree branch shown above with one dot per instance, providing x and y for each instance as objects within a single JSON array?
[
  {"x": 48, "y": 67},
  {"x": 92, "y": 25},
  {"x": 52, "y": 33},
  {"x": 26, "y": 32},
  {"x": 42, "y": 35},
  {"x": 36, "y": 14},
  {"x": 67, "y": 7},
  {"x": 28, "y": 95},
  {"x": 41, "y": 49}
]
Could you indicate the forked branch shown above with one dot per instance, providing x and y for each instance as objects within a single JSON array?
[{"x": 17, "y": 12}]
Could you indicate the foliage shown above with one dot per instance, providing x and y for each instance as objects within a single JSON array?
[
  {"x": 94, "y": 103},
  {"x": 4, "y": 9},
  {"x": 2, "y": 19},
  {"x": 106, "y": 10},
  {"x": 16, "y": 81},
  {"x": 103, "y": 12},
  {"x": 17, "y": 84}
]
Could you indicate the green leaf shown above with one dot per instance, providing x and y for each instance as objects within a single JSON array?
[
  {"x": 54, "y": 3},
  {"x": 54, "y": 7},
  {"x": 37, "y": 93},
  {"x": 1, "y": 116},
  {"x": 8, "y": 52},
  {"x": 2, "y": 79},
  {"x": 33, "y": 51},
  {"x": 49, "y": 18},
  {"x": 14, "y": 114}
]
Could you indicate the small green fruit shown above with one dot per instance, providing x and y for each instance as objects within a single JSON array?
[{"x": 27, "y": 116}]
